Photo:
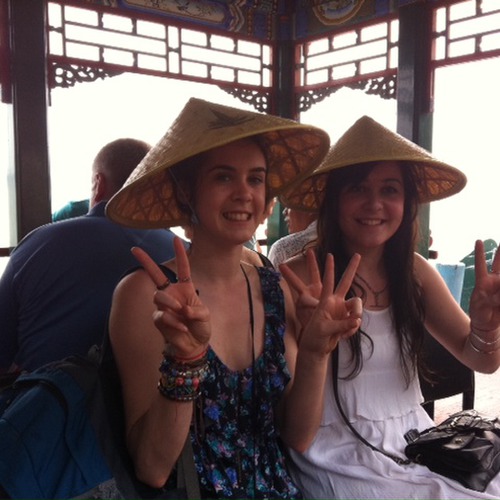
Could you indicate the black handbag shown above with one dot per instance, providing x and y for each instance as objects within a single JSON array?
[{"x": 464, "y": 447}]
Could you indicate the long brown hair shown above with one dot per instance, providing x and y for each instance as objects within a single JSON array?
[{"x": 404, "y": 290}]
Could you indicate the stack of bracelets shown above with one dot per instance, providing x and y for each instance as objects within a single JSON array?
[
  {"x": 181, "y": 378},
  {"x": 484, "y": 346}
]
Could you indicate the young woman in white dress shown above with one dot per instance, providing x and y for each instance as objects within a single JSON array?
[{"x": 367, "y": 192}]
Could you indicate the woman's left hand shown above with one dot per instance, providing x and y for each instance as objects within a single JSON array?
[
  {"x": 322, "y": 309},
  {"x": 484, "y": 308}
]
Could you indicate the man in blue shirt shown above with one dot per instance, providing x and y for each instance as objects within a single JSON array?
[{"x": 56, "y": 290}]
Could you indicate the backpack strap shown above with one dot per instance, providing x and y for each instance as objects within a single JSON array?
[
  {"x": 168, "y": 273},
  {"x": 345, "y": 418},
  {"x": 187, "y": 476}
]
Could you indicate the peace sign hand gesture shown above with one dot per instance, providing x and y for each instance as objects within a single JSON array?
[
  {"x": 322, "y": 309},
  {"x": 181, "y": 317},
  {"x": 484, "y": 308}
]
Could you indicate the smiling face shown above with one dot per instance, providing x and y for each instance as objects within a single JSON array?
[
  {"x": 371, "y": 210},
  {"x": 230, "y": 192}
]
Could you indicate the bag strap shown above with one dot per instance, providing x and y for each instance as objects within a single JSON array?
[
  {"x": 187, "y": 476},
  {"x": 335, "y": 372}
]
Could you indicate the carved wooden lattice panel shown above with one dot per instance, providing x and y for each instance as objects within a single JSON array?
[
  {"x": 363, "y": 57},
  {"x": 466, "y": 31},
  {"x": 351, "y": 54},
  {"x": 86, "y": 43}
]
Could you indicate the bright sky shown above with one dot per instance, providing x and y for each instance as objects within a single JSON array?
[
  {"x": 466, "y": 135},
  {"x": 84, "y": 118}
]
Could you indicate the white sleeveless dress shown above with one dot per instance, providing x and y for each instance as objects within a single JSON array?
[{"x": 382, "y": 409}]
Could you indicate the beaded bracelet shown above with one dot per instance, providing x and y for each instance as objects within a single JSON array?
[
  {"x": 182, "y": 381},
  {"x": 478, "y": 350}
]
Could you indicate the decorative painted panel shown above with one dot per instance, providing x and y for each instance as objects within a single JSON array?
[
  {"x": 264, "y": 19},
  {"x": 254, "y": 18}
]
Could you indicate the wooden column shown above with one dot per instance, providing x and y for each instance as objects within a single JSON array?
[
  {"x": 283, "y": 100},
  {"x": 414, "y": 86},
  {"x": 29, "y": 96}
]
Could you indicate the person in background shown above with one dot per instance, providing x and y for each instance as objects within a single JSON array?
[
  {"x": 206, "y": 346},
  {"x": 367, "y": 192},
  {"x": 253, "y": 252},
  {"x": 302, "y": 234},
  {"x": 55, "y": 292},
  {"x": 71, "y": 209}
]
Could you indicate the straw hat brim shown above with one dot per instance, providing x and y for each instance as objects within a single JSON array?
[
  {"x": 368, "y": 141},
  {"x": 147, "y": 200}
]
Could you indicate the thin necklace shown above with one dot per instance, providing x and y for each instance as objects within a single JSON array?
[{"x": 376, "y": 294}]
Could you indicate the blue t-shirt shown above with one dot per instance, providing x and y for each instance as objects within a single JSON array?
[{"x": 56, "y": 291}]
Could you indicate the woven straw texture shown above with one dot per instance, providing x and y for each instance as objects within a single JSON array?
[
  {"x": 368, "y": 141},
  {"x": 147, "y": 199}
]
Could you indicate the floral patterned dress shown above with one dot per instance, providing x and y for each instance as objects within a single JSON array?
[{"x": 236, "y": 444}]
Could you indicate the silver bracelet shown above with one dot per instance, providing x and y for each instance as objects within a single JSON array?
[
  {"x": 481, "y": 340},
  {"x": 480, "y": 351}
]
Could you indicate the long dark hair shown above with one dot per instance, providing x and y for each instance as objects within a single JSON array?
[{"x": 404, "y": 290}]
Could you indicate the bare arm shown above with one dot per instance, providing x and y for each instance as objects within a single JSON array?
[
  {"x": 143, "y": 321},
  {"x": 451, "y": 326},
  {"x": 327, "y": 317}
]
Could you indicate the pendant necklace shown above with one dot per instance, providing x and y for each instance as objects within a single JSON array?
[{"x": 376, "y": 294}]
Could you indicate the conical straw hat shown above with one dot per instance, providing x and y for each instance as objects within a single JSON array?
[
  {"x": 368, "y": 141},
  {"x": 147, "y": 199}
]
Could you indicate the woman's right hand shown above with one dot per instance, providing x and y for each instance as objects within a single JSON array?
[
  {"x": 181, "y": 317},
  {"x": 326, "y": 316}
]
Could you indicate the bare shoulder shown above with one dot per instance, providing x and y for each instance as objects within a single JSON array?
[
  {"x": 298, "y": 265},
  {"x": 137, "y": 280},
  {"x": 425, "y": 272},
  {"x": 419, "y": 263},
  {"x": 251, "y": 256}
]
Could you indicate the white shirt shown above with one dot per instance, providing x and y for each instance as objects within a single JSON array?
[{"x": 292, "y": 244}]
